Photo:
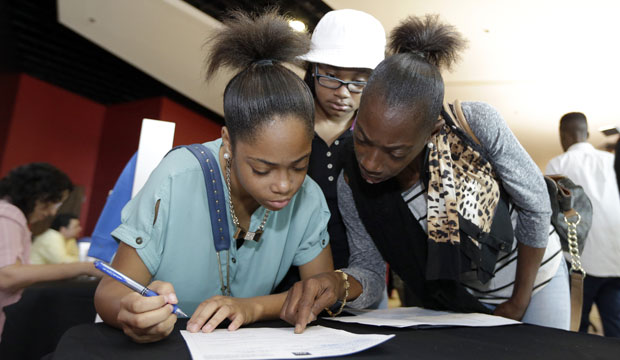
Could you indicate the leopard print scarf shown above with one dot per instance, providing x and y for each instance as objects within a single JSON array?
[{"x": 462, "y": 183}]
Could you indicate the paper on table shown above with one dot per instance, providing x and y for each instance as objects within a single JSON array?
[
  {"x": 416, "y": 316},
  {"x": 278, "y": 343}
]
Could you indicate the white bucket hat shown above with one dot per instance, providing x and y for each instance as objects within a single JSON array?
[{"x": 347, "y": 38}]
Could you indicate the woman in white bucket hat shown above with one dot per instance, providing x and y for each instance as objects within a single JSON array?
[{"x": 346, "y": 46}]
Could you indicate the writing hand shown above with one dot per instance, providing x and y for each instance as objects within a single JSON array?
[{"x": 148, "y": 319}]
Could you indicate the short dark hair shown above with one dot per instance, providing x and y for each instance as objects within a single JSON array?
[
  {"x": 264, "y": 89},
  {"x": 410, "y": 79},
  {"x": 26, "y": 184},
  {"x": 573, "y": 117},
  {"x": 574, "y": 126},
  {"x": 62, "y": 220}
]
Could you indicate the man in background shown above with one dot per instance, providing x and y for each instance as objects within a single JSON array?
[
  {"x": 58, "y": 244},
  {"x": 617, "y": 163},
  {"x": 594, "y": 170}
]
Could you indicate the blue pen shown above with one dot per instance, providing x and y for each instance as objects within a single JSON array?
[{"x": 132, "y": 284}]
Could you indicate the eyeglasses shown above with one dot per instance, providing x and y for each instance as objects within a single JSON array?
[{"x": 330, "y": 82}]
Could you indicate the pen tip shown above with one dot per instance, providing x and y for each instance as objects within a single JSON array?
[{"x": 181, "y": 313}]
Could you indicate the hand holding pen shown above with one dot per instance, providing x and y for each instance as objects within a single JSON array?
[{"x": 133, "y": 285}]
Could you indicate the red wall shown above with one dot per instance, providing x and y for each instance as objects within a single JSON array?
[
  {"x": 190, "y": 127},
  {"x": 91, "y": 142},
  {"x": 120, "y": 136},
  {"x": 53, "y": 125},
  {"x": 8, "y": 91}
]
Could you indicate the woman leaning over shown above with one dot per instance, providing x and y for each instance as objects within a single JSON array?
[{"x": 466, "y": 226}]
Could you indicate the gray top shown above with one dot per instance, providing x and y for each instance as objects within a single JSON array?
[{"x": 520, "y": 177}]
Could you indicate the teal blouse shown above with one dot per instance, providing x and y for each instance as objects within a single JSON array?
[{"x": 177, "y": 245}]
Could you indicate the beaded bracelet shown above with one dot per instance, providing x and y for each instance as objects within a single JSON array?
[{"x": 345, "y": 277}]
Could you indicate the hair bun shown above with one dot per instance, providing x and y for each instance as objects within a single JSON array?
[
  {"x": 427, "y": 37},
  {"x": 261, "y": 39}
]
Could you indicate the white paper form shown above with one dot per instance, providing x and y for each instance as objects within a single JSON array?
[
  {"x": 416, "y": 316},
  {"x": 278, "y": 343}
]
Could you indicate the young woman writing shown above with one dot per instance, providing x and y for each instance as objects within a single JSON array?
[{"x": 274, "y": 214}]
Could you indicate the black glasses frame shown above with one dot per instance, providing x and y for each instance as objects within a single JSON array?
[{"x": 340, "y": 82}]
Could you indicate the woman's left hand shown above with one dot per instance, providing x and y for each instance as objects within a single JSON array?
[
  {"x": 211, "y": 312},
  {"x": 511, "y": 309}
]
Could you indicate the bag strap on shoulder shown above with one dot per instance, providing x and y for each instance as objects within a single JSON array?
[
  {"x": 461, "y": 121},
  {"x": 215, "y": 194},
  {"x": 458, "y": 118}
]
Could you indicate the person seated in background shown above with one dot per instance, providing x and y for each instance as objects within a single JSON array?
[
  {"x": 58, "y": 244},
  {"x": 30, "y": 193}
]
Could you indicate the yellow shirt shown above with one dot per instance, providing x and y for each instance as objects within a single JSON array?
[{"x": 51, "y": 248}]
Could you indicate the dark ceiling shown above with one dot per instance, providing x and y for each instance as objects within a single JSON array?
[{"x": 33, "y": 42}]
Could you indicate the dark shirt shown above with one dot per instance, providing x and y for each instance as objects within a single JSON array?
[
  {"x": 616, "y": 164},
  {"x": 325, "y": 165}
]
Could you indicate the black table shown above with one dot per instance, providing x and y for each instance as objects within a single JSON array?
[
  {"x": 99, "y": 341},
  {"x": 35, "y": 323}
]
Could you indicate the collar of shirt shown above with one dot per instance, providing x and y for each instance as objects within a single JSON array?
[
  {"x": 341, "y": 138},
  {"x": 581, "y": 146}
]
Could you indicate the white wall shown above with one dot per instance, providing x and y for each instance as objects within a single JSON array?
[{"x": 534, "y": 60}]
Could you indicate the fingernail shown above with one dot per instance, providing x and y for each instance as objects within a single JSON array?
[
  {"x": 172, "y": 298},
  {"x": 207, "y": 328},
  {"x": 192, "y": 327},
  {"x": 298, "y": 329}
]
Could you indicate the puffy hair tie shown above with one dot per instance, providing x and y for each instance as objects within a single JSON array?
[
  {"x": 264, "y": 62},
  {"x": 419, "y": 53}
]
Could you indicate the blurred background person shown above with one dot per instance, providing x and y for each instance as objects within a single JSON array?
[
  {"x": 617, "y": 163},
  {"x": 594, "y": 170},
  {"x": 58, "y": 244},
  {"x": 30, "y": 193}
]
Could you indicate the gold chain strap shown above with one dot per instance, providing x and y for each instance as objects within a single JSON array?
[
  {"x": 233, "y": 214},
  {"x": 345, "y": 277},
  {"x": 573, "y": 245}
]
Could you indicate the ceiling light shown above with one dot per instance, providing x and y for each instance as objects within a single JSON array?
[{"x": 297, "y": 25}]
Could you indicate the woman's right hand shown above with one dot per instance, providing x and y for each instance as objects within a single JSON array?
[
  {"x": 307, "y": 298},
  {"x": 148, "y": 319}
]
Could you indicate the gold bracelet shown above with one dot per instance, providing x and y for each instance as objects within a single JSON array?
[{"x": 345, "y": 277}]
